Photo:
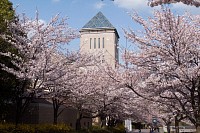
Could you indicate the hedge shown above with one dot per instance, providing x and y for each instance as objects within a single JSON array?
[{"x": 60, "y": 128}]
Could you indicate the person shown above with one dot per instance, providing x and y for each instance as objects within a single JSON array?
[
  {"x": 151, "y": 130},
  {"x": 158, "y": 129}
]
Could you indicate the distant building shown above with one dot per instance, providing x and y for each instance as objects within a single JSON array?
[
  {"x": 40, "y": 111},
  {"x": 99, "y": 36}
]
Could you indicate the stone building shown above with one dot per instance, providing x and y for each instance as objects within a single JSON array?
[
  {"x": 100, "y": 39},
  {"x": 99, "y": 36}
]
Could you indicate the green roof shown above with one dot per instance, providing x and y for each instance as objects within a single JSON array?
[{"x": 99, "y": 21}]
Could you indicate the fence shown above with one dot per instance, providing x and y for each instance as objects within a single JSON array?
[{"x": 182, "y": 129}]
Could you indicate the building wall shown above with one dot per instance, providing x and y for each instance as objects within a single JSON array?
[
  {"x": 45, "y": 113},
  {"x": 108, "y": 44},
  {"x": 42, "y": 113},
  {"x": 86, "y": 122},
  {"x": 68, "y": 116}
]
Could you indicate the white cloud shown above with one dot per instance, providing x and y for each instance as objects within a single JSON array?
[
  {"x": 180, "y": 7},
  {"x": 141, "y": 6},
  {"x": 56, "y": 0},
  {"x": 99, "y": 5},
  {"x": 131, "y": 4}
]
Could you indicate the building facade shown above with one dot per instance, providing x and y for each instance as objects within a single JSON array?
[
  {"x": 100, "y": 37},
  {"x": 40, "y": 111}
]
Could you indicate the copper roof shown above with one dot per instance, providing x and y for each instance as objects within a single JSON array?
[{"x": 99, "y": 21}]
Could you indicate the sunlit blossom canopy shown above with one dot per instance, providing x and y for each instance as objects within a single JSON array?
[{"x": 187, "y": 2}]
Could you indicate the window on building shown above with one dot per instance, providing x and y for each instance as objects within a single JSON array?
[
  {"x": 94, "y": 43},
  {"x": 90, "y": 43},
  {"x": 103, "y": 42},
  {"x": 98, "y": 42}
]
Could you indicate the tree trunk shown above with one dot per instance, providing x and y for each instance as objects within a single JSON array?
[
  {"x": 18, "y": 112},
  {"x": 103, "y": 120},
  {"x": 78, "y": 121},
  {"x": 168, "y": 127},
  {"x": 55, "y": 111},
  {"x": 78, "y": 124},
  {"x": 20, "y": 106},
  {"x": 55, "y": 116},
  {"x": 176, "y": 125},
  {"x": 168, "y": 123}
]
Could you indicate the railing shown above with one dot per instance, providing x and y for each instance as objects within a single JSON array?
[{"x": 182, "y": 129}]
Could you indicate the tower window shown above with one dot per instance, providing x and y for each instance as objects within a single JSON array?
[
  {"x": 103, "y": 42},
  {"x": 99, "y": 42},
  {"x": 90, "y": 43},
  {"x": 94, "y": 43}
]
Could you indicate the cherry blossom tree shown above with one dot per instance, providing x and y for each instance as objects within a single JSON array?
[
  {"x": 114, "y": 101},
  {"x": 153, "y": 3},
  {"x": 71, "y": 87},
  {"x": 95, "y": 95},
  {"x": 106, "y": 98},
  {"x": 187, "y": 2},
  {"x": 166, "y": 63},
  {"x": 55, "y": 89},
  {"x": 41, "y": 61},
  {"x": 80, "y": 96},
  {"x": 68, "y": 78}
]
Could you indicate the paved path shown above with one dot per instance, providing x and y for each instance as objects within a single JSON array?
[
  {"x": 145, "y": 131},
  {"x": 142, "y": 131}
]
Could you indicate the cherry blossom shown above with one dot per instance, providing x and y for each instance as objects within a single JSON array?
[
  {"x": 165, "y": 67},
  {"x": 40, "y": 61},
  {"x": 188, "y": 2}
]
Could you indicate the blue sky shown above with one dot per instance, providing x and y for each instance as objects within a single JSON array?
[{"x": 80, "y": 12}]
